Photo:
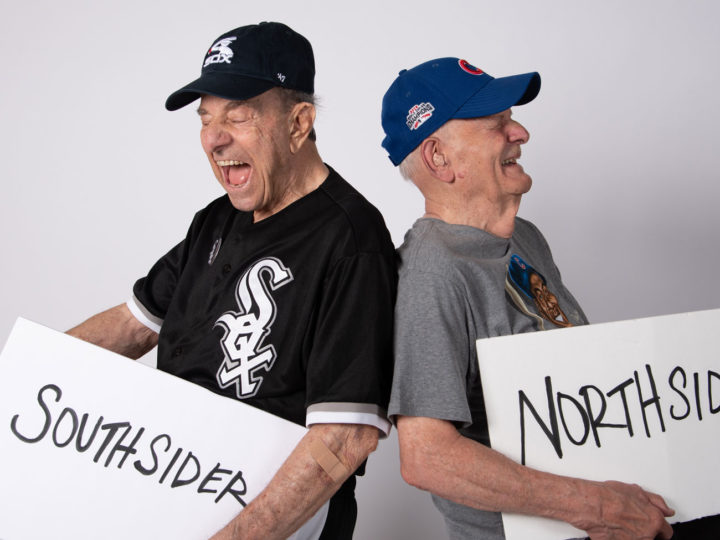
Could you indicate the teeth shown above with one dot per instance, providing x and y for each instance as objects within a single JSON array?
[
  {"x": 229, "y": 163},
  {"x": 509, "y": 162}
]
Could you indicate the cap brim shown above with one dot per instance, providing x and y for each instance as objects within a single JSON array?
[
  {"x": 224, "y": 85},
  {"x": 501, "y": 94}
]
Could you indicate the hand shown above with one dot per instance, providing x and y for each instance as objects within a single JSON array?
[{"x": 626, "y": 511}]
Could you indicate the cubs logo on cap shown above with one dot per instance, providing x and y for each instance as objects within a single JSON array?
[{"x": 472, "y": 70}]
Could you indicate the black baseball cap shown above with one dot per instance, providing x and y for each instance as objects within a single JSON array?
[{"x": 247, "y": 61}]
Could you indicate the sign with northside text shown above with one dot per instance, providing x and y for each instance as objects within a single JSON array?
[
  {"x": 93, "y": 445},
  {"x": 636, "y": 401}
]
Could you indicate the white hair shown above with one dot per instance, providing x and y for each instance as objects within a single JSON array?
[{"x": 408, "y": 167}]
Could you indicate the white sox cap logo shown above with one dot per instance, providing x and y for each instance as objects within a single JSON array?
[
  {"x": 223, "y": 50},
  {"x": 246, "y": 330}
]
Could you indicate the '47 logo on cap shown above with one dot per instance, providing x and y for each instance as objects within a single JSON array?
[{"x": 418, "y": 115}]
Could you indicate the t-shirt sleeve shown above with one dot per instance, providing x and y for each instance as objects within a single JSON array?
[
  {"x": 431, "y": 349},
  {"x": 350, "y": 365}
]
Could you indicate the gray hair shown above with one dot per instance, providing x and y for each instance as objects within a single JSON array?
[
  {"x": 408, "y": 166},
  {"x": 293, "y": 97}
]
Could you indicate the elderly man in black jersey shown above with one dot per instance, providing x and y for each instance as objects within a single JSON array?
[{"x": 263, "y": 299}]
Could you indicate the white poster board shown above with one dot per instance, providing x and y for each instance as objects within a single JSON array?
[
  {"x": 93, "y": 445},
  {"x": 635, "y": 401}
]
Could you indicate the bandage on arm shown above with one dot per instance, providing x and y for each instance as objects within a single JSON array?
[{"x": 328, "y": 461}]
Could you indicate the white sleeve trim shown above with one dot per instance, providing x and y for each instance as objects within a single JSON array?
[
  {"x": 348, "y": 417},
  {"x": 143, "y": 316}
]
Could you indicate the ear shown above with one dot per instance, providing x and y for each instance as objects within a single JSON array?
[
  {"x": 435, "y": 159},
  {"x": 302, "y": 118}
]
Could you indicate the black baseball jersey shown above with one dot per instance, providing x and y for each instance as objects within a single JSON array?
[{"x": 292, "y": 314}]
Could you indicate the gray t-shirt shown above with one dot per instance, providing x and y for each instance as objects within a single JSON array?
[{"x": 458, "y": 284}]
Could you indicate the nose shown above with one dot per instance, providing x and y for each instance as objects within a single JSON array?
[
  {"x": 517, "y": 133},
  {"x": 214, "y": 138}
]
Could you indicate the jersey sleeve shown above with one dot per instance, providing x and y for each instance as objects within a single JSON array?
[
  {"x": 431, "y": 349},
  {"x": 153, "y": 293},
  {"x": 350, "y": 365}
]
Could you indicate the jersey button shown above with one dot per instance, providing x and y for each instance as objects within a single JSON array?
[
  {"x": 177, "y": 352},
  {"x": 226, "y": 269}
]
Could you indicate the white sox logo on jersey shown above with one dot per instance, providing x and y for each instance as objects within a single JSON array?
[{"x": 246, "y": 330}]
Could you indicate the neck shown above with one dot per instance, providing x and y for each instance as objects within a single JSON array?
[
  {"x": 497, "y": 219},
  {"x": 306, "y": 172}
]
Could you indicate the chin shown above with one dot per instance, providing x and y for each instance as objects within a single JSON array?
[
  {"x": 241, "y": 204},
  {"x": 527, "y": 185}
]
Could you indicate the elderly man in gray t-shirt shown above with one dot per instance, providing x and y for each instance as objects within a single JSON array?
[{"x": 470, "y": 268}]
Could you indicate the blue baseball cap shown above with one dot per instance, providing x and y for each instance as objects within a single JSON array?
[{"x": 423, "y": 98}]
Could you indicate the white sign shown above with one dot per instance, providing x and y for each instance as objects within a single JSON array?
[
  {"x": 635, "y": 401},
  {"x": 94, "y": 445}
]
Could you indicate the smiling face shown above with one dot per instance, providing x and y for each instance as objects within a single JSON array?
[
  {"x": 484, "y": 155},
  {"x": 248, "y": 146}
]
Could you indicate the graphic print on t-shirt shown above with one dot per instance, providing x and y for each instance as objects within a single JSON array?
[
  {"x": 531, "y": 284},
  {"x": 245, "y": 330}
]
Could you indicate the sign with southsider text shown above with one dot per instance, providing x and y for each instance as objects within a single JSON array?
[
  {"x": 636, "y": 401},
  {"x": 93, "y": 445}
]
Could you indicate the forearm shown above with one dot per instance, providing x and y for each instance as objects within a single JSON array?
[
  {"x": 474, "y": 475},
  {"x": 435, "y": 457},
  {"x": 301, "y": 486},
  {"x": 117, "y": 330},
  {"x": 469, "y": 473}
]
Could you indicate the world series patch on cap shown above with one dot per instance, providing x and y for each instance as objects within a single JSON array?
[
  {"x": 423, "y": 98},
  {"x": 247, "y": 61}
]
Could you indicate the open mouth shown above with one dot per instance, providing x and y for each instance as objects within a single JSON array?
[
  {"x": 509, "y": 161},
  {"x": 235, "y": 173}
]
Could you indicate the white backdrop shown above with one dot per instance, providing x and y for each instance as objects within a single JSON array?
[{"x": 99, "y": 180}]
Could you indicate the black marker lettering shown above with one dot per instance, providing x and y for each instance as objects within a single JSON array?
[
  {"x": 696, "y": 380},
  {"x": 177, "y": 482},
  {"x": 148, "y": 472},
  {"x": 46, "y": 427},
  {"x": 112, "y": 430},
  {"x": 79, "y": 446},
  {"x": 621, "y": 388},
  {"x": 73, "y": 430},
  {"x": 172, "y": 462},
  {"x": 583, "y": 416},
  {"x": 654, "y": 400},
  {"x": 671, "y": 381},
  {"x": 552, "y": 433},
  {"x": 595, "y": 421},
  {"x": 212, "y": 478},
  {"x": 711, "y": 374},
  {"x": 126, "y": 450},
  {"x": 235, "y": 493}
]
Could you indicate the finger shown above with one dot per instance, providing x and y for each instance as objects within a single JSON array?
[
  {"x": 660, "y": 503},
  {"x": 666, "y": 532}
]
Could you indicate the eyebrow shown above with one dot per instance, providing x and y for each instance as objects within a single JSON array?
[{"x": 229, "y": 106}]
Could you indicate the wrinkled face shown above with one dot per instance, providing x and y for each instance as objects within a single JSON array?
[
  {"x": 247, "y": 144},
  {"x": 485, "y": 152}
]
